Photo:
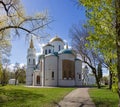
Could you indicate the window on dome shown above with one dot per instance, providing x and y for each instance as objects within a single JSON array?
[
  {"x": 49, "y": 51},
  {"x": 45, "y": 51},
  {"x": 59, "y": 48}
]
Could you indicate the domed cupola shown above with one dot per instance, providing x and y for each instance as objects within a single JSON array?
[
  {"x": 56, "y": 38},
  {"x": 58, "y": 43},
  {"x": 48, "y": 48}
]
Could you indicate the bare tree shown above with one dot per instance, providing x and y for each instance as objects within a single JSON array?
[
  {"x": 79, "y": 43},
  {"x": 13, "y": 20}
]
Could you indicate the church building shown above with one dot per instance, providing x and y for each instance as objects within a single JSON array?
[{"x": 56, "y": 66}]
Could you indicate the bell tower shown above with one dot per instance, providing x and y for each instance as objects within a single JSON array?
[{"x": 31, "y": 63}]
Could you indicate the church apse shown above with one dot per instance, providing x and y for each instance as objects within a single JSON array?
[{"x": 68, "y": 69}]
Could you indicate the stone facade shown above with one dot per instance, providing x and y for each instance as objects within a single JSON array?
[{"x": 56, "y": 66}]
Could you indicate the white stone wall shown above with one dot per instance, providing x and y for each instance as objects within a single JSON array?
[
  {"x": 78, "y": 72},
  {"x": 31, "y": 63},
  {"x": 12, "y": 81},
  {"x": 50, "y": 66},
  {"x": 56, "y": 45}
]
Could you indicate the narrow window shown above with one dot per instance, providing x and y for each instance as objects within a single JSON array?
[
  {"x": 59, "y": 47},
  {"x": 29, "y": 60},
  {"x": 52, "y": 75},
  {"x": 79, "y": 76},
  {"x": 33, "y": 61},
  {"x": 49, "y": 51},
  {"x": 45, "y": 52}
]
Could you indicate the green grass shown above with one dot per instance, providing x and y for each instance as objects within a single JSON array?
[
  {"x": 104, "y": 97},
  {"x": 19, "y": 96}
]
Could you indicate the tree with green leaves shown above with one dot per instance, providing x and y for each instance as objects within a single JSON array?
[
  {"x": 22, "y": 76},
  {"x": 104, "y": 29}
]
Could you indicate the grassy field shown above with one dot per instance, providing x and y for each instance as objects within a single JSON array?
[
  {"x": 19, "y": 96},
  {"x": 104, "y": 97}
]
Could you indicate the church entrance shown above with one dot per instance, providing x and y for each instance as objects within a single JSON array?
[{"x": 38, "y": 79}]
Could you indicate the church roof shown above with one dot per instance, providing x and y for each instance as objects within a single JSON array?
[
  {"x": 31, "y": 44},
  {"x": 56, "y": 38},
  {"x": 48, "y": 44},
  {"x": 66, "y": 51}
]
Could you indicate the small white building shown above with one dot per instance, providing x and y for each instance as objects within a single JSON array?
[
  {"x": 12, "y": 82},
  {"x": 56, "y": 66}
]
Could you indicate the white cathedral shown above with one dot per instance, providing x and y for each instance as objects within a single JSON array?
[{"x": 57, "y": 66}]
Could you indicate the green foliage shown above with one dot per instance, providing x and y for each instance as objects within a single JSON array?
[
  {"x": 102, "y": 31},
  {"x": 19, "y": 96},
  {"x": 104, "y": 97},
  {"x": 22, "y": 76}
]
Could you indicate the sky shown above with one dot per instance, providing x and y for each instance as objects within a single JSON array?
[{"x": 65, "y": 13}]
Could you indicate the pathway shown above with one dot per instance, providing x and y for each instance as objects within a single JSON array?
[{"x": 77, "y": 98}]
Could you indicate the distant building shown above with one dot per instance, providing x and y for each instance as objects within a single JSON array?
[
  {"x": 57, "y": 65},
  {"x": 12, "y": 81}
]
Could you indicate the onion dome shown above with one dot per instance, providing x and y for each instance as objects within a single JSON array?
[{"x": 56, "y": 38}]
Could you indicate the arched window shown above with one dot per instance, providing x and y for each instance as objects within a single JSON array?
[
  {"x": 45, "y": 51},
  {"x": 33, "y": 61},
  {"x": 79, "y": 76},
  {"x": 52, "y": 75},
  {"x": 59, "y": 48},
  {"x": 29, "y": 60},
  {"x": 49, "y": 50}
]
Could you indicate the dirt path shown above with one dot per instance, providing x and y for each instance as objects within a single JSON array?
[{"x": 77, "y": 98}]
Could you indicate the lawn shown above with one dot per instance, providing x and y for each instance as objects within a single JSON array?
[
  {"x": 104, "y": 97},
  {"x": 20, "y": 96}
]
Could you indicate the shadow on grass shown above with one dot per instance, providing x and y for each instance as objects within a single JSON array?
[
  {"x": 105, "y": 103},
  {"x": 17, "y": 96}
]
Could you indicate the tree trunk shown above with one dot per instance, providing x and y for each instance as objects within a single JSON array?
[
  {"x": 97, "y": 79},
  {"x": 117, "y": 7},
  {"x": 110, "y": 81},
  {"x": 3, "y": 78}
]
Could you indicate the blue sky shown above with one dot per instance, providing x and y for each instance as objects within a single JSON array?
[{"x": 65, "y": 13}]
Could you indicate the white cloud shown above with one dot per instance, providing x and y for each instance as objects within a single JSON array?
[
  {"x": 38, "y": 53},
  {"x": 11, "y": 66},
  {"x": 65, "y": 41}
]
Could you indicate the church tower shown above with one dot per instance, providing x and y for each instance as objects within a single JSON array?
[{"x": 31, "y": 63}]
